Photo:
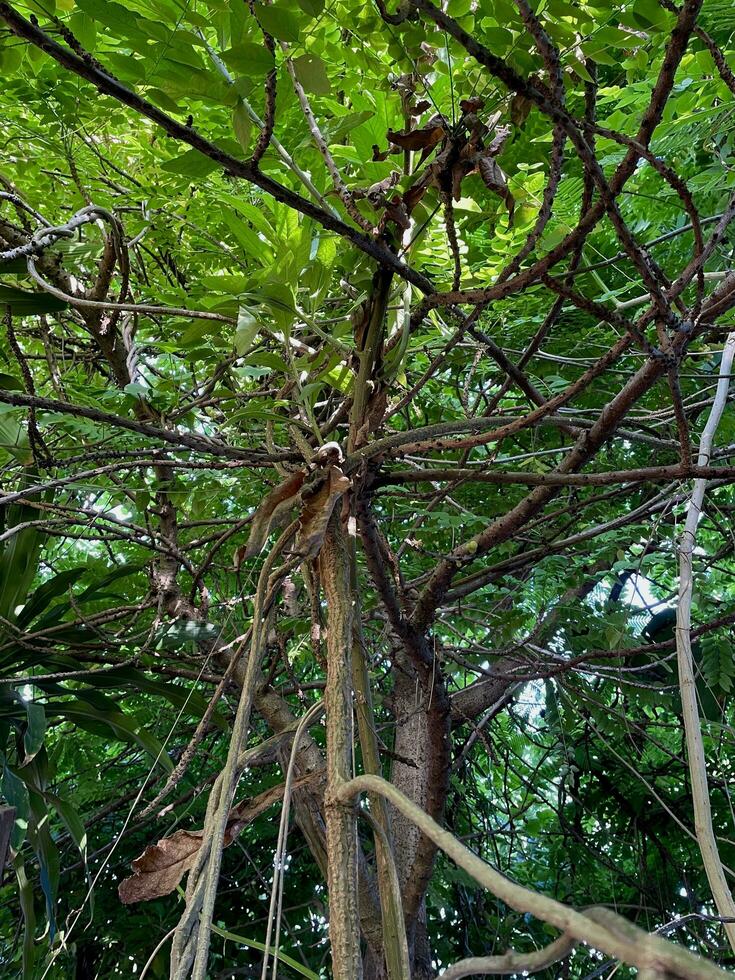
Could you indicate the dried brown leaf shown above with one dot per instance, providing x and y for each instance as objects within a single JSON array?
[
  {"x": 418, "y": 139},
  {"x": 281, "y": 497},
  {"x": 377, "y": 191},
  {"x": 417, "y": 190},
  {"x": 428, "y": 54},
  {"x": 472, "y": 104},
  {"x": 499, "y": 140},
  {"x": 459, "y": 171},
  {"x": 520, "y": 107},
  {"x": 397, "y": 213},
  {"x": 494, "y": 178},
  {"x": 380, "y": 155},
  {"x": 160, "y": 868},
  {"x": 318, "y": 505}
]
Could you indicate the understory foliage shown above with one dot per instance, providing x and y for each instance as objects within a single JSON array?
[{"x": 360, "y": 353}]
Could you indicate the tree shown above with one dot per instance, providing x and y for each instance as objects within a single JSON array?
[{"x": 358, "y": 361}]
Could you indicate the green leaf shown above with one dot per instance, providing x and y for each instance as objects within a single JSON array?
[
  {"x": 83, "y": 28},
  {"x": 15, "y": 792},
  {"x": 9, "y": 382},
  {"x": 72, "y": 821},
  {"x": 279, "y": 22},
  {"x": 256, "y": 944},
  {"x": 121, "y": 20},
  {"x": 11, "y": 58},
  {"x": 13, "y": 266},
  {"x": 159, "y": 98},
  {"x": 248, "y": 326},
  {"x": 242, "y": 124},
  {"x": 279, "y": 298},
  {"x": 24, "y": 303},
  {"x": 25, "y": 897},
  {"x": 124, "y": 728},
  {"x": 132, "y": 679},
  {"x": 56, "y": 586},
  {"x": 189, "y": 164},
  {"x": 137, "y": 391},
  {"x": 19, "y": 554},
  {"x": 248, "y": 58},
  {"x": 651, "y": 12},
  {"x": 47, "y": 854},
  {"x": 312, "y": 74},
  {"x": 311, "y": 7},
  {"x": 35, "y": 729},
  {"x": 197, "y": 331}
]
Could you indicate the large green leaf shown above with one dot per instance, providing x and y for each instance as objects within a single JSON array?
[
  {"x": 112, "y": 722},
  {"x": 190, "y": 164},
  {"x": 21, "y": 302},
  {"x": 35, "y": 729},
  {"x": 15, "y": 792},
  {"x": 40, "y": 600}
]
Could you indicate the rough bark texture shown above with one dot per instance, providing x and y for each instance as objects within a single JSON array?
[{"x": 341, "y": 820}]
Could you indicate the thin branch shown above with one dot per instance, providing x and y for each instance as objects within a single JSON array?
[
  {"x": 687, "y": 684},
  {"x": 511, "y": 962},
  {"x": 320, "y": 142}
]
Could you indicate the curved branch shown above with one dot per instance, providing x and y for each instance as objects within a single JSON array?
[
  {"x": 598, "y": 927},
  {"x": 512, "y": 961},
  {"x": 687, "y": 685}
]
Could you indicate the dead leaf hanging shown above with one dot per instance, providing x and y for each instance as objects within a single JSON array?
[
  {"x": 520, "y": 107},
  {"x": 397, "y": 213},
  {"x": 277, "y": 499},
  {"x": 418, "y": 139},
  {"x": 460, "y": 169},
  {"x": 376, "y": 193},
  {"x": 380, "y": 155},
  {"x": 318, "y": 503},
  {"x": 498, "y": 142},
  {"x": 473, "y": 104},
  {"x": 494, "y": 178},
  {"x": 160, "y": 868}
]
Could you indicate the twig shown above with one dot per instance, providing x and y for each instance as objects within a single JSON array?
[{"x": 321, "y": 144}]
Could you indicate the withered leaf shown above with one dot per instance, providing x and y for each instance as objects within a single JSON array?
[
  {"x": 417, "y": 190},
  {"x": 397, "y": 213},
  {"x": 492, "y": 175},
  {"x": 421, "y": 107},
  {"x": 377, "y": 191},
  {"x": 318, "y": 505},
  {"x": 428, "y": 54},
  {"x": 380, "y": 155},
  {"x": 418, "y": 139},
  {"x": 282, "y": 496},
  {"x": 499, "y": 140},
  {"x": 459, "y": 171},
  {"x": 160, "y": 868},
  {"x": 520, "y": 107},
  {"x": 472, "y": 104},
  {"x": 405, "y": 84},
  {"x": 494, "y": 178}
]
